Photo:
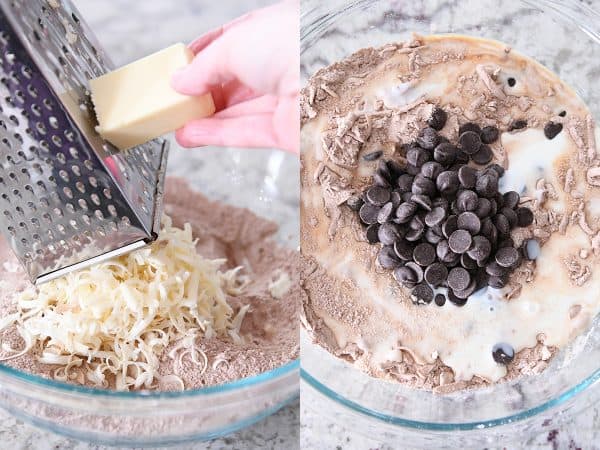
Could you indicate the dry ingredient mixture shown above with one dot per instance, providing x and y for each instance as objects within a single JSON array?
[
  {"x": 450, "y": 214},
  {"x": 212, "y": 300}
]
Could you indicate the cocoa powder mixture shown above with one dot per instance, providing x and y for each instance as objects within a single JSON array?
[
  {"x": 379, "y": 98},
  {"x": 269, "y": 329}
]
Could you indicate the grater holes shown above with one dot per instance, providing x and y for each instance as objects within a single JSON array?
[
  {"x": 75, "y": 18},
  {"x": 19, "y": 138},
  {"x": 40, "y": 127},
  {"x": 32, "y": 91},
  {"x": 3, "y": 124},
  {"x": 9, "y": 101},
  {"x": 99, "y": 215},
  {"x": 101, "y": 231},
  {"x": 88, "y": 164},
  {"x": 80, "y": 187},
  {"x": 6, "y": 198},
  {"x": 7, "y": 143},
  {"x": 95, "y": 199},
  {"x": 36, "y": 237},
  {"x": 20, "y": 96},
  {"x": 61, "y": 228},
  {"x": 26, "y": 173},
  {"x": 74, "y": 224},
  {"x": 47, "y": 217},
  {"x": 93, "y": 182},
  {"x": 58, "y": 212},
  {"x": 52, "y": 180},
  {"x": 68, "y": 192},
  {"x": 70, "y": 136},
  {"x": 39, "y": 252},
  {"x": 76, "y": 170},
  {"x": 14, "y": 119},
  {"x": 53, "y": 121},
  {"x": 47, "y": 104},
  {"x": 23, "y": 225},
  {"x": 36, "y": 110},
  {"x": 31, "y": 206},
  {"x": 7, "y": 214},
  {"x": 56, "y": 140},
  {"x": 107, "y": 193},
  {"x": 45, "y": 146},
  {"x": 112, "y": 210},
  {"x": 26, "y": 72},
  {"x": 35, "y": 222},
  {"x": 83, "y": 204},
  {"x": 27, "y": 256},
  {"x": 113, "y": 226},
  {"x": 45, "y": 203},
  {"x": 72, "y": 150},
  {"x": 61, "y": 158},
  {"x": 86, "y": 219},
  {"x": 70, "y": 208},
  {"x": 20, "y": 210},
  {"x": 12, "y": 230},
  {"x": 37, "y": 167},
  {"x": 63, "y": 174}
]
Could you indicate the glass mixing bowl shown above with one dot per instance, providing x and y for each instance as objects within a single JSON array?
[
  {"x": 263, "y": 181},
  {"x": 565, "y": 37}
]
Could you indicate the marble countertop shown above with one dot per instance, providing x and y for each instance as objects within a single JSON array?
[{"x": 129, "y": 30}]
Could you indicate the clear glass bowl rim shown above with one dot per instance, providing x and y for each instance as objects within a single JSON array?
[
  {"x": 231, "y": 386},
  {"x": 584, "y": 18}
]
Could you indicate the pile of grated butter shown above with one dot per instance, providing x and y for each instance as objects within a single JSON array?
[{"x": 115, "y": 319}]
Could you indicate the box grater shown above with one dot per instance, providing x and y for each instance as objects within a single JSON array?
[{"x": 68, "y": 199}]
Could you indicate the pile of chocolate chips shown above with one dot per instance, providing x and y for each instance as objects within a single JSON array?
[{"x": 443, "y": 223}]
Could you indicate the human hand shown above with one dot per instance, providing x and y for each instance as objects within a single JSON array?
[{"x": 251, "y": 67}]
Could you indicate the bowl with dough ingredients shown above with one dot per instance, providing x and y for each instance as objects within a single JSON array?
[
  {"x": 190, "y": 338},
  {"x": 449, "y": 225}
]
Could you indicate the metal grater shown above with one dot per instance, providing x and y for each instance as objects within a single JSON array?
[{"x": 68, "y": 199}]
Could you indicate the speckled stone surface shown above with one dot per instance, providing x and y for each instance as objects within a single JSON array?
[
  {"x": 129, "y": 30},
  {"x": 318, "y": 429}
]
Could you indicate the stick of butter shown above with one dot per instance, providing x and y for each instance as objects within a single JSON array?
[{"x": 136, "y": 103}]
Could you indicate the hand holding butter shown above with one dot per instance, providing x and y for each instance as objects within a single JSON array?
[{"x": 136, "y": 103}]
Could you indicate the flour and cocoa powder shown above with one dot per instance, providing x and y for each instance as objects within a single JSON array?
[{"x": 269, "y": 329}]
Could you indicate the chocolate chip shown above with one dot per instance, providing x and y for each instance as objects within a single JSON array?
[
  {"x": 428, "y": 138},
  {"x": 496, "y": 168},
  {"x": 467, "y": 262},
  {"x": 371, "y": 233},
  {"x": 372, "y": 156},
  {"x": 461, "y": 158},
  {"x": 447, "y": 182},
  {"x": 416, "y": 223},
  {"x": 368, "y": 213},
  {"x": 424, "y": 254},
  {"x": 422, "y": 200},
  {"x": 404, "y": 250},
  {"x": 385, "y": 213},
  {"x": 440, "y": 299},
  {"x": 417, "y": 156},
  {"x": 438, "y": 119},
  {"x": 354, "y": 202},
  {"x": 470, "y": 222},
  {"x": 387, "y": 258},
  {"x": 441, "y": 202},
  {"x": 459, "y": 279},
  {"x": 435, "y": 216},
  {"x": 394, "y": 169},
  {"x": 481, "y": 248},
  {"x": 487, "y": 185},
  {"x": 396, "y": 199},
  {"x": 460, "y": 241},
  {"x": 483, "y": 156},
  {"x": 450, "y": 226},
  {"x": 445, "y": 153},
  {"x": 414, "y": 234},
  {"x": 510, "y": 215},
  {"x": 517, "y": 125},
  {"x": 493, "y": 269},
  {"x": 464, "y": 293},
  {"x": 507, "y": 257},
  {"x": 488, "y": 229},
  {"x": 499, "y": 199},
  {"x": 508, "y": 242},
  {"x": 503, "y": 353},
  {"x": 444, "y": 253},
  {"x": 405, "y": 211},
  {"x": 436, "y": 274},
  {"x": 456, "y": 300},
  {"x": 407, "y": 196},
  {"x": 511, "y": 81},
  {"x": 378, "y": 195},
  {"x": 467, "y": 201},
  {"x": 467, "y": 177},
  {"x": 497, "y": 282},
  {"x": 469, "y": 142},
  {"x": 412, "y": 170},
  {"x": 383, "y": 169},
  {"x": 381, "y": 180},
  {"x": 405, "y": 182},
  {"x": 531, "y": 249},
  {"x": 484, "y": 208},
  {"x": 422, "y": 294},
  {"x": 489, "y": 134},
  {"x": 551, "y": 129},
  {"x": 524, "y": 217},
  {"x": 431, "y": 169},
  {"x": 388, "y": 233},
  {"x": 511, "y": 199},
  {"x": 502, "y": 225},
  {"x": 424, "y": 186},
  {"x": 469, "y": 127},
  {"x": 432, "y": 237},
  {"x": 406, "y": 276},
  {"x": 417, "y": 269}
]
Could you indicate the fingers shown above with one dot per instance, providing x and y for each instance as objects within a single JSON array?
[
  {"x": 247, "y": 131},
  {"x": 259, "y": 105}
]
